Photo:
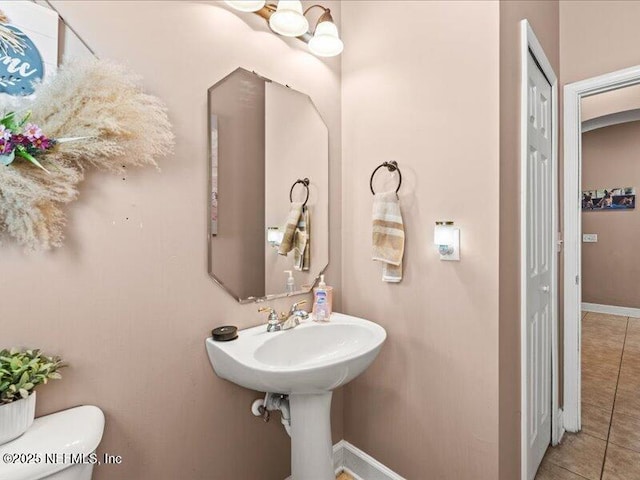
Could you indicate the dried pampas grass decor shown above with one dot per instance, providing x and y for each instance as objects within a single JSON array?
[
  {"x": 9, "y": 39},
  {"x": 96, "y": 99}
]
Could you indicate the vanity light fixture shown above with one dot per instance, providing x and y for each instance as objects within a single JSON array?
[
  {"x": 274, "y": 236},
  {"x": 447, "y": 238},
  {"x": 287, "y": 18},
  {"x": 326, "y": 41},
  {"x": 246, "y": 5}
]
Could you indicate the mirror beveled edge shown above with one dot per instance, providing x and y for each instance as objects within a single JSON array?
[{"x": 218, "y": 281}]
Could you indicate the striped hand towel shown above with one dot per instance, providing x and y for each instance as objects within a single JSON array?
[
  {"x": 302, "y": 242},
  {"x": 388, "y": 235},
  {"x": 288, "y": 239}
]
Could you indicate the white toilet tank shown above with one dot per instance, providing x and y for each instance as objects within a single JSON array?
[{"x": 56, "y": 447}]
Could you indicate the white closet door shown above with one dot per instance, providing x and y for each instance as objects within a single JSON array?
[{"x": 539, "y": 238}]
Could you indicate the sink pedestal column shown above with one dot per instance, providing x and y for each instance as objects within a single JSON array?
[{"x": 311, "y": 446}]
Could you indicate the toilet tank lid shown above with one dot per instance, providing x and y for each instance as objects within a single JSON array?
[{"x": 64, "y": 436}]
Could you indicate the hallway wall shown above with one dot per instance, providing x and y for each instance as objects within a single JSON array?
[
  {"x": 597, "y": 37},
  {"x": 611, "y": 267}
]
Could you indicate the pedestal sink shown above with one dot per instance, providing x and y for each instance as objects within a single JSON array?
[{"x": 307, "y": 363}]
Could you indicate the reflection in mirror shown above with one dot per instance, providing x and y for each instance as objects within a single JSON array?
[{"x": 269, "y": 202}]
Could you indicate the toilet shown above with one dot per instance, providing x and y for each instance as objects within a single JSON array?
[{"x": 54, "y": 447}]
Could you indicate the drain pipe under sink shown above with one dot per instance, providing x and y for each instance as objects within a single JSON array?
[{"x": 270, "y": 403}]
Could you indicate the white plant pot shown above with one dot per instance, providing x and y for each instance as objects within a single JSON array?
[{"x": 16, "y": 418}]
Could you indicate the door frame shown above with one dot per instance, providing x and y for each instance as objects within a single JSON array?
[
  {"x": 529, "y": 43},
  {"x": 573, "y": 93}
]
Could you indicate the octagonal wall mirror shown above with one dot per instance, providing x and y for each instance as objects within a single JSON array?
[{"x": 269, "y": 202}]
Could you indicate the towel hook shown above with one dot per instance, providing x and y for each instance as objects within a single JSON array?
[
  {"x": 305, "y": 182},
  {"x": 392, "y": 166}
]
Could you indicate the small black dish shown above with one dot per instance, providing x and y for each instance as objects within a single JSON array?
[{"x": 224, "y": 334}]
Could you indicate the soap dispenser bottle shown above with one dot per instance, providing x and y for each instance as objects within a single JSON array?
[
  {"x": 291, "y": 282},
  {"x": 322, "y": 301}
]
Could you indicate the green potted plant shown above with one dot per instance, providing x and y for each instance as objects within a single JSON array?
[{"x": 21, "y": 371}]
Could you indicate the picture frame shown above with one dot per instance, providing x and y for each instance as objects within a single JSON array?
[{"x": 608, "y": 199}]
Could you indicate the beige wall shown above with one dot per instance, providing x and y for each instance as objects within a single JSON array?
[
  {"x": 128, "y": 301},
  {"x": 611, "y": 267},
  {"x": 606, "y": 103},
  {"x": 544, "y": 19},
  {"x": 420, "y": 86},
  {"x": 597, "y": 37}
]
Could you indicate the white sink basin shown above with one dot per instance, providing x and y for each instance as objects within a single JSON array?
[
  {"x": 307, "y": 363},
  {"x": 311, "y": 358}
]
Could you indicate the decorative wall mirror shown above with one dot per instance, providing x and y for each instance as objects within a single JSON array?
[{"x": 269, "y": 168}]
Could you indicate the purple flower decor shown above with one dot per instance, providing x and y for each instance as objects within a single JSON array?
[{"x": 21, "y": 139}]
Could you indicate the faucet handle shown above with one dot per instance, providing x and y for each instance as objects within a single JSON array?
[
  {"x": 273, "y": 315},
  {"x": 295, "y": 306},
  {"x": 273, "y": 324},
  {"x": 295, "y": 310}
]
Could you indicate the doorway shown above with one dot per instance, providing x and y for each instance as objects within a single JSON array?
[
  {"x": 601, "y": 339},
  {"x": 573, "y": 95}
]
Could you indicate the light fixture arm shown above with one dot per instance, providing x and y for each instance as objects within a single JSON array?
[
  {"x": 308, "y": 9},
  {"x": 266, "y": 11},
  {"x": 290, "y": 20},
  {"x": 326, "y": 15},
  {"x": 270, "y": 8}
]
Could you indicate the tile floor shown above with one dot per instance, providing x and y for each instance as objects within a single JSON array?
[{"x": 608, "y": 447}]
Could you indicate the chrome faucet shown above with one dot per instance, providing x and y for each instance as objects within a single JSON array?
[
  {"x": 273, "y": 325},
  {"x": 295, "y": 311},
  {"x": 285, "y": 321}
]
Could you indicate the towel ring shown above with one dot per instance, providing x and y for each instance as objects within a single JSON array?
[
  {"x": 392, "y": 166},
  {"x": 305, "y": 183}
]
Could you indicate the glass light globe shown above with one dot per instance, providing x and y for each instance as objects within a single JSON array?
[
  {"x": 288, "y": 20},
  {"x": 326, "y": 41},
  {"x": 246, "y": 5},
  {"x": 443, "y": 234}
]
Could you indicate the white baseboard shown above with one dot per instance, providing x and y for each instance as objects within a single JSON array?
[
  {"x": 611, "y": 309},
  {"x": 358, "y": 464},
  {"x": 364, "y": 467}
]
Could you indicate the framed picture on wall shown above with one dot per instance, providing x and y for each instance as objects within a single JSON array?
[
  {"x": 609, "y": 199},
  {"x": 28, "y": 46}
]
